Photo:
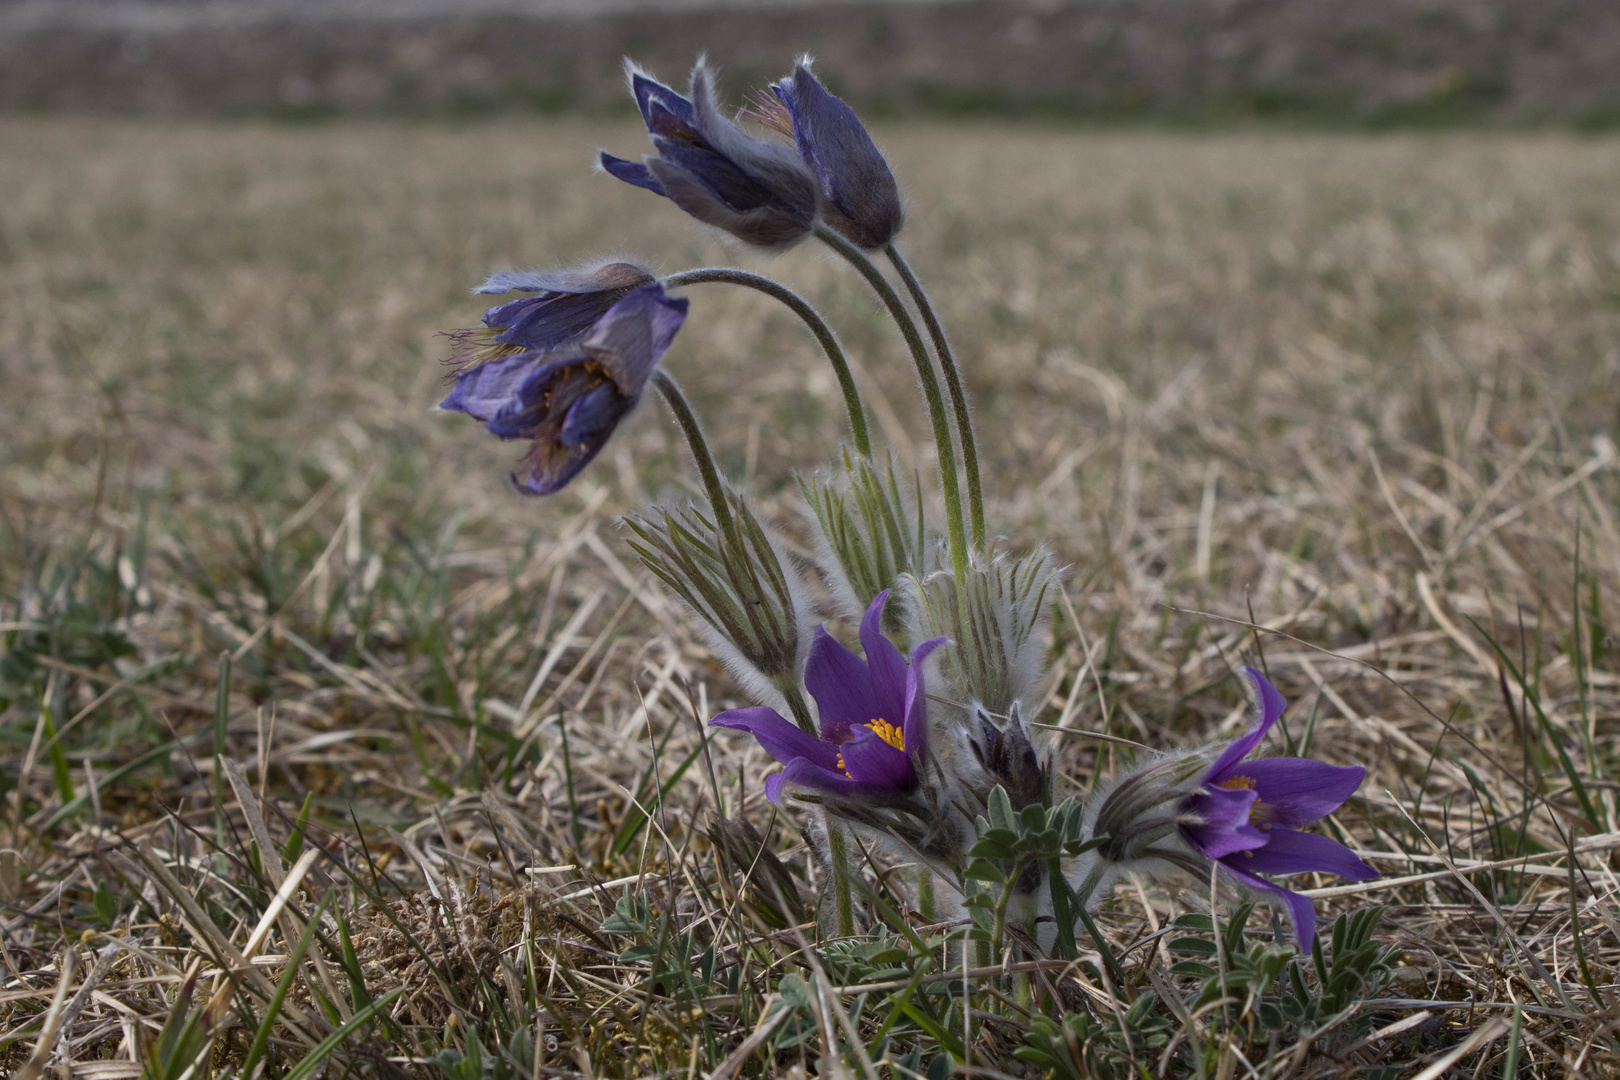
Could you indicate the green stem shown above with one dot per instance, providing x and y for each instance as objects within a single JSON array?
[
  {"x": 843, "y": 902},
  {"x": 999, "y": 930},
  {"x": 926, "y": 904},
  {"x": 699, "y": 446},
  {"x": 953, "y": 383},
  {"x": 949, "y": 480},
  {"x": 812, "y": 318}
]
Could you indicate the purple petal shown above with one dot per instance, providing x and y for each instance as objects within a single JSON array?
[
  {"x": 773, "y": 789},
  {"x": 631, "y": 172},
  {"x": 545, "y": 322},
  {"x": 486, "y": 389},
  {"x": 1271, "y": 707},
  {"x": 1291, "y": 852},
  {"x": 555, "y": 383},
  {"x": 915, "y": 725},
  {"x": 634, "y": 335},
  {"x": 1297, "y": 791},
  {"x": 886, "y": 665},
  {"x": 593, "y": 416},
  {"x": 781, "y": 737},
  {"x": 854, "y": 178},
  {"x": 870, "y": 760},
  {"x": 719, "y": 176},
  {"x": 1225, "y": 816},
  {"x": 650, "y": 92},
  {"x": 841, "y": 685},
  {"x": 1301, "y": 912},
  {"x": 619, "y": 277},
  {"x": 804, "y": 773}
]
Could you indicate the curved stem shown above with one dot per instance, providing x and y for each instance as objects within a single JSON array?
[
  {"x": 699, "y": 446},
  {"x": 812, "y": 318},
  {"x": 953, "y": 383},
  {"x": 945, "y": 448}
]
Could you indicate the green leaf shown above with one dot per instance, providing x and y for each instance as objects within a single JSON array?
[
  {"x": 306, "y": 1067},
  {"x": 984, "y": 870},
  {"x": 1000, "y": 810}
]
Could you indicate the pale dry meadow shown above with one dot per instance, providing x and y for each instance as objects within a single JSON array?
[{"x": 1358, "y": 390}]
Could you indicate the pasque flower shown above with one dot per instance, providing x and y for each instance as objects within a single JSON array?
[
  {"x": 1247, "y": 815},
  {"x": 755, "y": 190},
  {"x": 565, "y": 305},
  {"x": 874, "y": 719},
  {"x": 569, "y": 400},
  {"x": 858, "y": 192}
]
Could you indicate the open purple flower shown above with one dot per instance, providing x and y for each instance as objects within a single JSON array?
[
  {"x": 565, "y": 304},
  {"x": 755, "y": 190},
  {"x": 859, "y": 195},
  {"x": 874, "y": 719},
  {"x": 568, "y": 401},
  {"x": 1251, "y": 812}
]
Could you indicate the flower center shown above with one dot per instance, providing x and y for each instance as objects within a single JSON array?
[
  {"x": 1260, "y": 814},
  {"x": 888, "y": 733}
]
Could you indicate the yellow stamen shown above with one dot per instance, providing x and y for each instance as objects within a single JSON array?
[
  {"x": 1235, "y": 783},
  {"x": 888, "y": 733}
]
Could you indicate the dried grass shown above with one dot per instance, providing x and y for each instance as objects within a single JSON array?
[{"x": 1359, "y": 391}]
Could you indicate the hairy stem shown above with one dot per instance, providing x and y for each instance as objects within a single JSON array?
[
  {"x": 999, "y": 930},
  {"x": 699, "y": 446},
  {"x": 838, "y": 855},
  {"x": 949, "y": 480},
  {"x": 812, "y": 318},
  {"x": 953, "y": 384}
]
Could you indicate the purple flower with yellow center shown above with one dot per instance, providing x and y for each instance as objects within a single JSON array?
[
  {"x": 568, "y": 401},
  {"x": 1250, "y": 814},
  {"x": 874, "y": 719},
  {"x": 564, "y": 306},
  {"x": 859, "y": 196},
  {"x": 758, "y": 191}
]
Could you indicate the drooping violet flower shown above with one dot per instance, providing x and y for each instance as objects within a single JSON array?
[
  {"x": 1247, "y": 815},
  {"x": 858, "y": 192},
  {"x": 874, "y": 719},
  {"x": 568, "y": 401},
  {"x": 755, "y": 190},
  {"x": 566, "y": 304}
]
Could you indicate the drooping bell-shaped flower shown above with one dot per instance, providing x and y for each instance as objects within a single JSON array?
[
  {"x": 758, "y": 191},
  {"x": 874, "y": 720},
  {"x": 859, "y": 197},
  {"x": 568, "y": 401}
]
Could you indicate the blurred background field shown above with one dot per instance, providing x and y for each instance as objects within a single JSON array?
[{"x": 1360, "y": 387}]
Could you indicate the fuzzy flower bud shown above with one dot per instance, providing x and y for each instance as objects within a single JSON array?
[
  {"x": 859, "y": 197},
  {"x": 758, "y": 191},
  {"x": 998, "y": 619}
]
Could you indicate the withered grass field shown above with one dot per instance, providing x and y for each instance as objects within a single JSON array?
[{"x": 1361, "y": 390}]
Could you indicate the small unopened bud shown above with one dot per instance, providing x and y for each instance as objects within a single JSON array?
[{"x": 997, "y": 617}]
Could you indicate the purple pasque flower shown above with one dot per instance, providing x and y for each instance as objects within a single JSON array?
[
  {"x": 858, "y": 192},
  {"x": 755, "y": 190},
  {"x": 874, "y": 719},
  {"x": 1250, "y": 814},
  {"x": 568, "y": 401},
  {"x": 566, "y": 304}
]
